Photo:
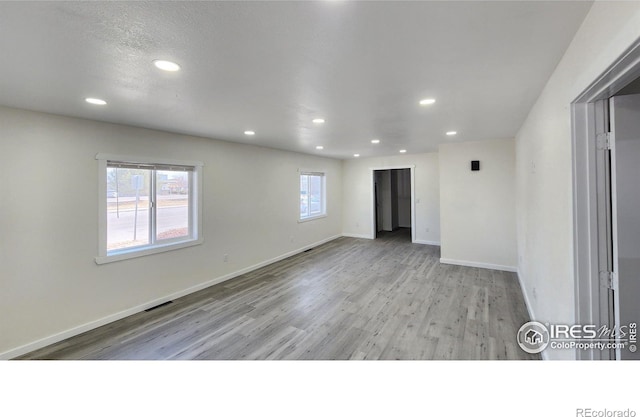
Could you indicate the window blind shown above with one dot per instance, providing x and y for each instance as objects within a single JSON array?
[{"x": 158, "y": 167}]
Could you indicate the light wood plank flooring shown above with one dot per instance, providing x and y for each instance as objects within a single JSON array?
[{"x": 348, "y": 299}]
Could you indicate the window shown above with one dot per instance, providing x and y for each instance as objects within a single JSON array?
[
  {"x": 312, "y": 195},
  {"x": 147, "y": 207}
]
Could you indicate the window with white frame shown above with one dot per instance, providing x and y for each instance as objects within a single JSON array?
[
  {"x": 147, "y": 207},
  {"x": 312, "y": 195}
]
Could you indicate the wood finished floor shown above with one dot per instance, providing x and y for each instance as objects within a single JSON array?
[{"x": 348, "y": 299}]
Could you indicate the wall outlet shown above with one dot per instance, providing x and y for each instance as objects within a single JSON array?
[
  {"x": 426, "y": 229},
  {"x": 225, "y": 258},
  {"x": 291, "y": 239},
  {"x": 535, "y": 294}
]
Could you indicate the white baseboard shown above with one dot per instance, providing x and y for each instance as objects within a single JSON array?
[
  {"x": 525, "y": 295},
  {"x": 527, "y": 302},
  {"x": 356, "y": 235},
  {"x": 55, "y": 338},
  {"x": 478, "y": 265},
  {"x": 427, "y": 242}
]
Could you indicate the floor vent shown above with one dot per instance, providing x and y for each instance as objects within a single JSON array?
[
  {"x": 159, "y": 305},
  {"x": 308, "y": 250}
]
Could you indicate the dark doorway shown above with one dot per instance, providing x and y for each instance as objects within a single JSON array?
[{"x": 392, "y": 204}]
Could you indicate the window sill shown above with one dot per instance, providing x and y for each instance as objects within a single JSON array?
[
  {"x": 308, "y": 219},
  {"x": 133, "y": 253}
]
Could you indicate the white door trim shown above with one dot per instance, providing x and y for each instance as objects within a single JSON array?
[{"x": 586, "y": 115}]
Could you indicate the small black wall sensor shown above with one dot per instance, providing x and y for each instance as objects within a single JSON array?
[{"x": 475, "y": 165}]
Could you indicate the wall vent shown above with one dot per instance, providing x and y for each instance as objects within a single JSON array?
[{"x": 158, "y": 306}]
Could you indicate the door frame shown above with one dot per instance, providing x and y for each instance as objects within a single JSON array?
[
  {"x": 373, "y": 198},
  {"x": 588, "y": 114}
]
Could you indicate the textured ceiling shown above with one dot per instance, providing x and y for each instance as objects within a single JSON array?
[{"x": 274, "y": 66}]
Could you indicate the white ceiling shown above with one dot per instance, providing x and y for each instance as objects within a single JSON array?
[{"x": 274, "y": 66}]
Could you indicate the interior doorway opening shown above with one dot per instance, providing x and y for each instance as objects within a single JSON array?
[
  {"x": 624, "y": 151},
  {"x": 606, "y": 156},
  {"x": 393, "y": 202}
]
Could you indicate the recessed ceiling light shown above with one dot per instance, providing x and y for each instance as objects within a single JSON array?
[
  {"x": 375, "y": 141},
  {"x": 249, "y": 132},
  {"x": 356, "y": 155},
  {"x": 452, "y": 133},
  {"x": 427, "y": 101},
  {"x": 318, "y": 121},
  {"x": 403, "y": 151},
  {"x": 166, "y": 65},
  {"x": 96, "y": 101},
  {"x": 319, "y": 147}
]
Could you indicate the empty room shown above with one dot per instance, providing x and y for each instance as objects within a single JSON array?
[
  {"x": 323, "y": 180},
  {"x": 232, "y": 175}
]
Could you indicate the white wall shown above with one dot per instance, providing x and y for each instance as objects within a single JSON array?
[
  {"x": 358, "y": 194},
  {"x": 49, "y": 221},
  {"x": 543, "y": 159},
  {"x": 477, "y": 208}
]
